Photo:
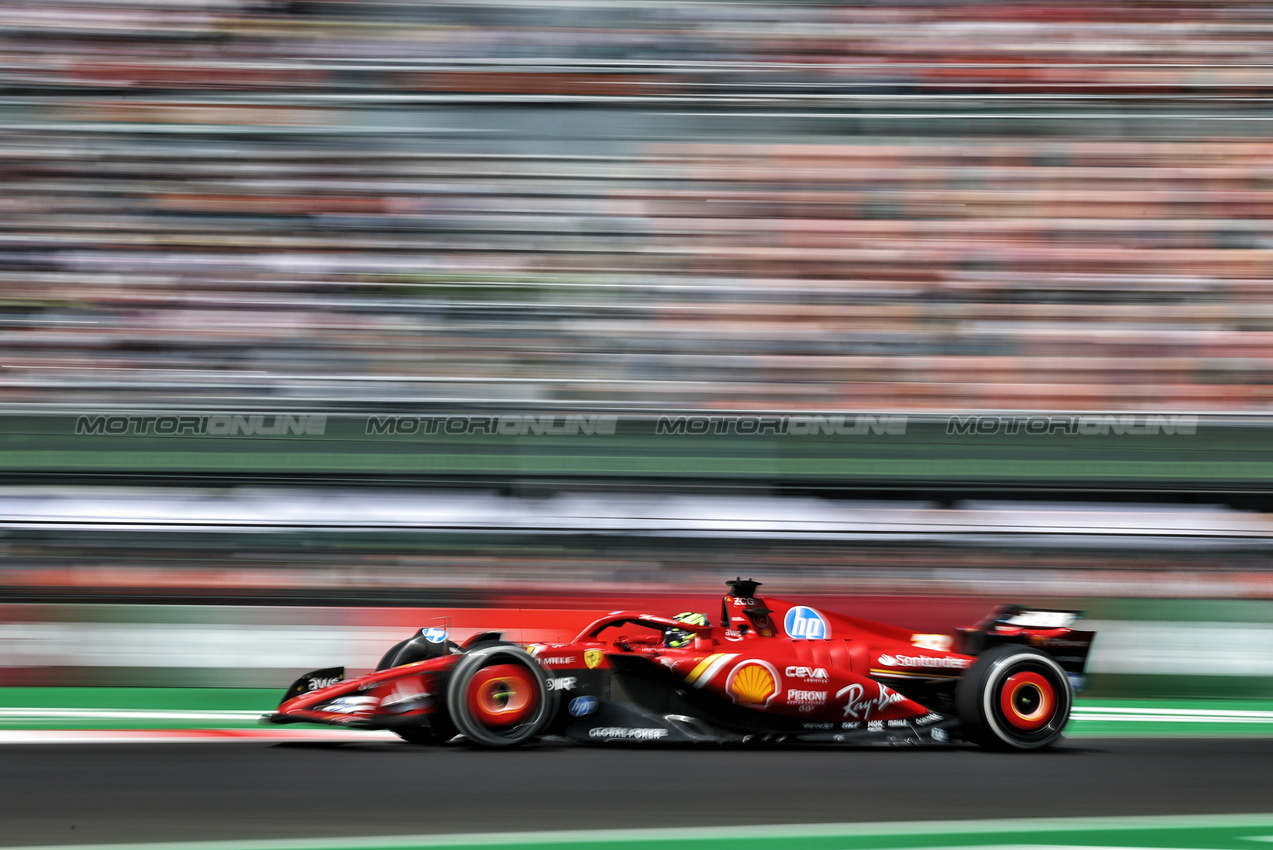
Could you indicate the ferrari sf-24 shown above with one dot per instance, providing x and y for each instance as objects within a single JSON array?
[{"x": 766, "y": 671}]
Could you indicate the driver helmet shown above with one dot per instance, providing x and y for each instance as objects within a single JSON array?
[{"x": 676, "y": 638}]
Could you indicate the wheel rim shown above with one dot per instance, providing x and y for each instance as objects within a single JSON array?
[
  {"x": 502, "y": 695},
  {"x": 1028, "y": 701}
]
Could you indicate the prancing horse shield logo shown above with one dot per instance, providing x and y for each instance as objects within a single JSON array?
[{"x": 593, "y": 657}]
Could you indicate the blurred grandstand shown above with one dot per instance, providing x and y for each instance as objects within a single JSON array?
[
  {"x": 447, "y": 547},
  {"x": 635, "y": 207},
  {"x": 919, "y": 205}
]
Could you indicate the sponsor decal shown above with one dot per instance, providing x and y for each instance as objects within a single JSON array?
[
  {"x": 898, "y": 724},
  {"x": 707, "y": 669},
  {"x": 851, "y": 725},
  {"x": 753, "y": 684},
  {"x": 1042, "y": 619},
  {"x": 1038, "y": 640},
  {"x": 556, "y": 661},
  {"x": 350, "y": 705},
  {"x": 795, "y": 697},
  {"x": 940, "y": 643},
  {"x": 809, "y": 674},
  {"x": 631, "y": 734},
  {"x": 434, "y": 634},
  {"x": 565, "y": 683},
  {"x": 582, "y": 706},
  {"x": 939, "y": 734},
  {"x": 319, "y": 684},
  {"x": 927, "y": 661},
  {"x": 875, "y": 726},
  {"x": 804, "y": 623},
  {"x": 593, "y": 658},
  {"x": 405, "y": 690},
  {"x": 819, "y": 725},
  {"x": 733, "y": 634},
  {"x": 744, "y": 602},
  {"x": 860, "y": 707}
]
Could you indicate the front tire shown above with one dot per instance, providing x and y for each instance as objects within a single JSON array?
[
  {"x": 499, "y": 697},
  {"x": 1014, "y": 698}
]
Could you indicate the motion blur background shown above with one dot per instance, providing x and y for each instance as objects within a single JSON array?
[{"x": 908, "y": 210}]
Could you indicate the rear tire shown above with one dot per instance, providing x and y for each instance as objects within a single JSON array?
[
  {"x": 1014, "y": 698},
  {"x": 498, "y": 696}
]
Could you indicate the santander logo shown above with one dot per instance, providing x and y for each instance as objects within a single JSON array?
[{"x": 930, "y": 661}]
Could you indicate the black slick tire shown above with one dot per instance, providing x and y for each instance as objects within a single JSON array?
[
  {"x": 498, "y": 696},
  {"x": 1014, "y": 698}
]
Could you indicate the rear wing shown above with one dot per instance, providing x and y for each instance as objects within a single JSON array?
[{"x": 1047, "y": 629}]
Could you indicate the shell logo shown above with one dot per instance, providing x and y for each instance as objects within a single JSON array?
[{"x": 753, "y": 684}]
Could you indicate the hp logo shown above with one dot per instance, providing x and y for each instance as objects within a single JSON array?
[{"x": 803, "y": 623}]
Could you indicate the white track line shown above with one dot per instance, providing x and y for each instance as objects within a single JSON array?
[
  {"x": 9, "y": 713},
  {"x": 1171, "y": 715},
  {"x": 204, "y": 732},
  {"x": 680, "y": 836},
  {"x": 188, "y": 736}
]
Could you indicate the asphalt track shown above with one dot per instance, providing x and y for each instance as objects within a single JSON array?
[{"x": 72, "y": 794}]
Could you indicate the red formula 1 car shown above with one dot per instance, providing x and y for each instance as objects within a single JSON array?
[{"x": 769, "y": 670}]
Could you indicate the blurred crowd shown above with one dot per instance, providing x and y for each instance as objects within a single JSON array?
[
  {"x": 642, "y": 47},
  {"x": 929, "y": 204},
  {"x": 480, "y": 569}
]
